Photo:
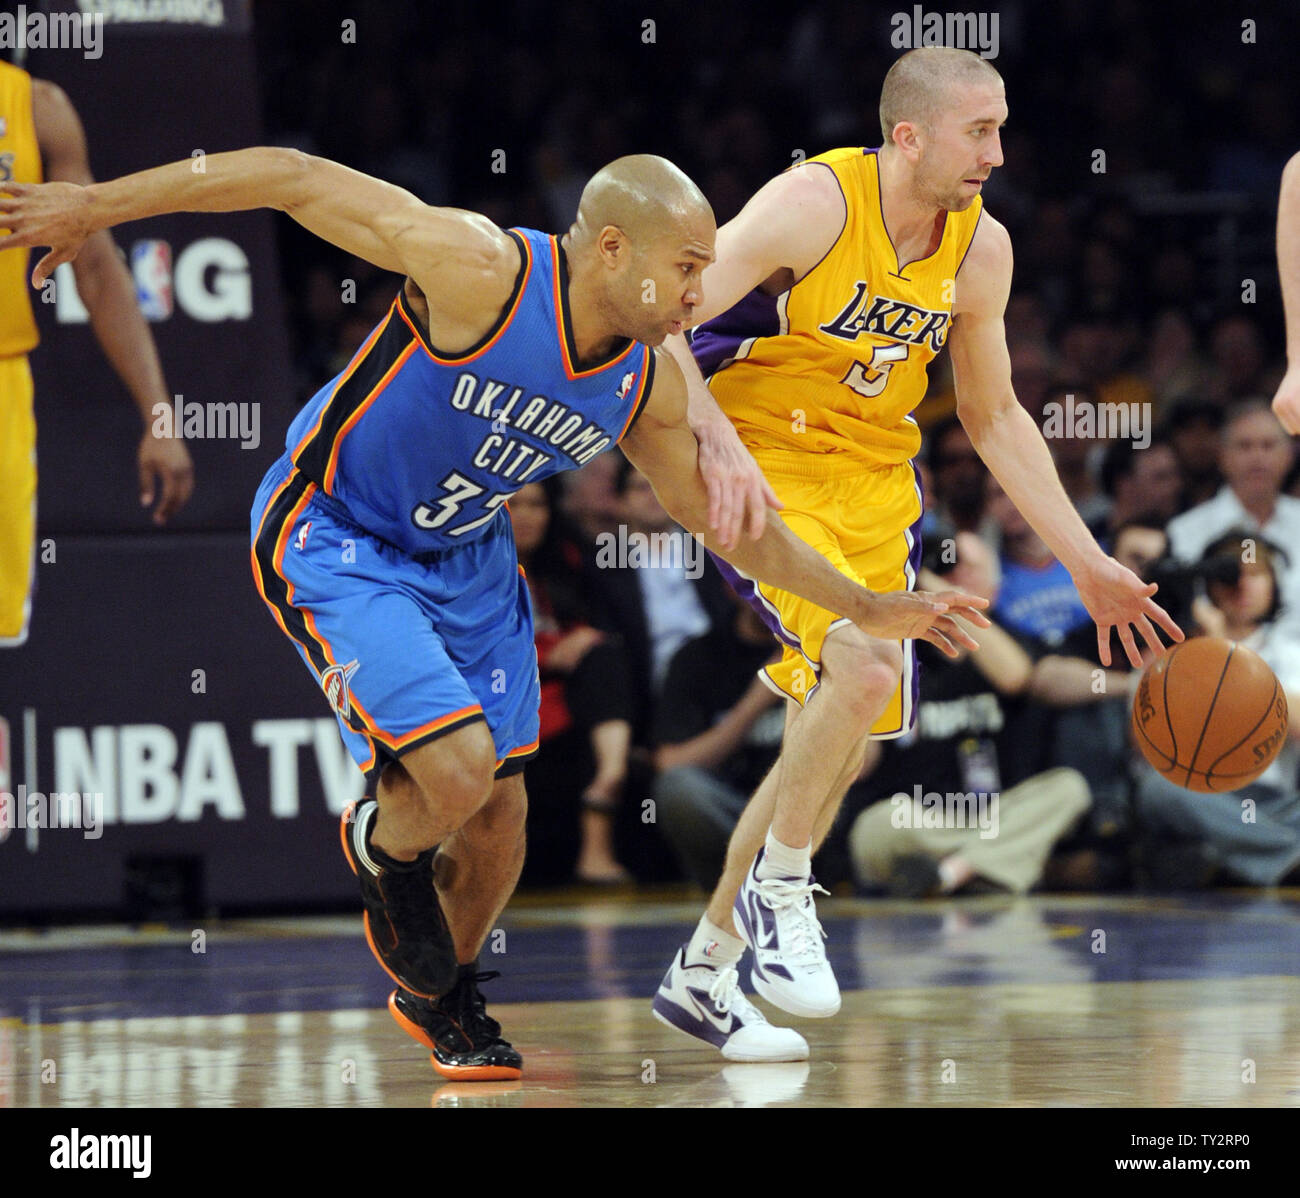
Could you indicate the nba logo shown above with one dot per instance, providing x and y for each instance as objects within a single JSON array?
[{"x": 151, "y": 264}]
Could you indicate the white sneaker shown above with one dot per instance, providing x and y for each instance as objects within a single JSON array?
[
  {"x": 777, "y": 919},
  {"x": 706, "y": 1002}
]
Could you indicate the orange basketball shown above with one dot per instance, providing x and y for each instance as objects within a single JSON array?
[{"x": 1210, "y": 715}]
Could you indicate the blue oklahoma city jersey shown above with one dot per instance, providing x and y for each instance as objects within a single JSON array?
[{"x": 423, "y": 447}]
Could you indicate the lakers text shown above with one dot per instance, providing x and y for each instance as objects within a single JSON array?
[
  {"x": 624, "y": 550},
  {"x": 56, "y": 810},
  {"x": 194, "y": 421},
  {"x": 929, "y": 809}
]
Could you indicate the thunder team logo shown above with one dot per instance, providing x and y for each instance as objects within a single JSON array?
[{"x": 334, "y": 682}]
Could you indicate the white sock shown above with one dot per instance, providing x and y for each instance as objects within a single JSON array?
[
  {"x": 781, "y": 861},
  {"x": 712, "y": 946}
]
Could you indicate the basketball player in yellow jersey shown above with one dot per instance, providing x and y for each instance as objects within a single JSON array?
[
  {"x": 832, "y": 291},
  {"x": 41, "y": 136}
]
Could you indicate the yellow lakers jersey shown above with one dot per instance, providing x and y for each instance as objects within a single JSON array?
[
  {"x": 836, "y": 364},
  {"x": 19, "y": 160}
]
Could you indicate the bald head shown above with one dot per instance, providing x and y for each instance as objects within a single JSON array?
[
  {"x": 920, "y": 85},
  {"x": 638, "y": 249},
  {"x": 645, "y": 196}
]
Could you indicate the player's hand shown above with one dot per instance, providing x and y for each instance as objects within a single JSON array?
[
  {"x": 1117, "y": 598},
  {"x": 738, "y": 492},
  {"x": 1286, "y": 403},
  {"x": 570, "y": 649},
  {"x": 925, "y": 616},
  {"x": 164, "y": 460},
  {"x": 53, "y": 214}
]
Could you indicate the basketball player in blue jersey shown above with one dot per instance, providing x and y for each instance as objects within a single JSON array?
[{"x": 380, "y": 540}]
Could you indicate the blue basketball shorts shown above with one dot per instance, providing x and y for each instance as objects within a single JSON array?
[{"x": 406, "y": 649}]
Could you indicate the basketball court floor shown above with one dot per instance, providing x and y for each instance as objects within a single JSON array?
[{"x": 1040, "y": 1001}]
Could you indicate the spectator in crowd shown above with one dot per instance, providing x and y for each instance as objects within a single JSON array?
[
  {"x": 1037, "y": 598},
  {"x": 1194, "y": 429},
  {"x": 1095, "y": 349},
  {"x": 1076, "y": 456},
  {"x": 1174, "y": 366},
  {"x": 1255, "y": 458},
  {"x": 958, "y": 475},
  {"x": 655, "y": 587},
  {"x": 590, "y": 500},
  {"x": 1239, "y": 365},
  {"x": 1192, "y": 839},
  {"x": 585, "y": 704},
  {"x": 1140, "y": 482},
  {"x": 1032, "y": 368},
  {"x": 716, "y": 736},
  {"x": 966, "y": 745}
]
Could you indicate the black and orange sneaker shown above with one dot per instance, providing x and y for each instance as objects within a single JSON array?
[
  {"x": 465, "y": 1040},
  {"x": 405, "y": 926}
]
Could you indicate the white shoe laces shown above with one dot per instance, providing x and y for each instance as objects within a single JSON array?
[
  {"x": 723, "y": 991},
  {"x": 796, "y": 899},
  {"x": 725, "y": 994}
]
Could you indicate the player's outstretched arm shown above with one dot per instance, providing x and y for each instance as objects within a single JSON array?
[
  {"x": 782, "y": 233},
  {"x": 1286, "y": 403},
  {"x": 453, "y": 256},
  {"x": 105, "y": 285},
  {"x": 662, "y": 446},
  {"x": 1011, "y": 445}
]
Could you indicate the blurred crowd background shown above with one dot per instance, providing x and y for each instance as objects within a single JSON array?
[{"x": 1143, "y": 155}]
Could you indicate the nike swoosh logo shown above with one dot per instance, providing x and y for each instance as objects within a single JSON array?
[
  {"x": 704, "y": 1006},
  {"x": 762, "y": 936}
]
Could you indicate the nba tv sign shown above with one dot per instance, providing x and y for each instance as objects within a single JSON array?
[{"x": 976, "y": 31}]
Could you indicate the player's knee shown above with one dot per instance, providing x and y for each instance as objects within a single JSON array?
[
  {"x": 863, "y": 675},
  {"x": 453, "y": 775}
]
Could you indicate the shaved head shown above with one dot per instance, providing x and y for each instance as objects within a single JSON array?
[
  {"x": 645, "y": 196},
  {"x": 920, "y": 85},
  {"x": 636, "y": 253}
]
